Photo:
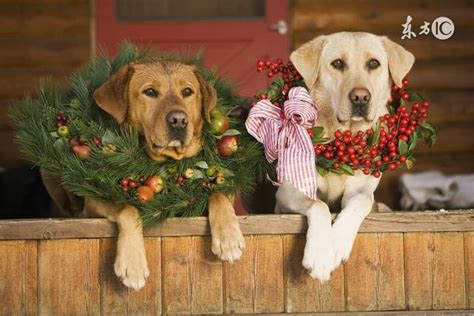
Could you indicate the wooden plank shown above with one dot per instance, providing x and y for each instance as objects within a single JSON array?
[
  {"x": 113, "y": 294},
  {"x": 206, "y": 284},
  {"x": 147, "y": 301},
  {"x": 469, "y": 264},
  {"x": 119, "y": 300},
  {"x": 302, "y": 292},
  {"x": 449, "y": 282},
  {"x": 360, "y": 274},
  {"x": 394, "y": 222},
  {"x": 18, "y": 272},
  {"x": 390, "y": 281},
  {"x": 269, "y": 293},
  {"x": 239, "y": 281},
  {"x": 176, "y": 274},
  {"x": 68, "y": 277},
  {"x": 332, "y": 293},
  {"x": 419, "y": 250}
]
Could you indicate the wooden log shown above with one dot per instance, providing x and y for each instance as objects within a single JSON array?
[
  {"x": 44, "y": 21},
  {"x": 18, "y": 271},
  {"x": 327, "y": 18},
  {"x": 394, "y": 222},
  {"x": 68, "y": 277},
  {"x": 239, "y": 281},
  {"x": 269, "y": 290},
  {"x": 69, "y": 52}
]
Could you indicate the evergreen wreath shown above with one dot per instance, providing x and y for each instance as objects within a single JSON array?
[
  {"x": 67, "y": 134},
  {"x": 386, "y": 147}
]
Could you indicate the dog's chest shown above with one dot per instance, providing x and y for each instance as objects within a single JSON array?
[{"x": 331, "y": 187}]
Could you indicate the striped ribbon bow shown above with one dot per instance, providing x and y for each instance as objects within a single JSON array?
[{"x": 283, "y": 134}]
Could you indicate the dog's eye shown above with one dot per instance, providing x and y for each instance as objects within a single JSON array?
[
  {"x": 338, "y": 64},
  {"x": 186, "y": 92},
  {"x": 150, "y": 92},
  {"x": 373, "y": 64}
]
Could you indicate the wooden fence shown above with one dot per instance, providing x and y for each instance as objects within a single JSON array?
[{"x": 401, "y": 261}]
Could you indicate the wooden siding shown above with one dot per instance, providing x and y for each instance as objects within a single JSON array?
[
  {"x": 394, "y": 266},
  {"x": 48, "y": 38}
]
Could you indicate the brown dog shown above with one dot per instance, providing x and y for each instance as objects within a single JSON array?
[{"x": 166, "y": 102}]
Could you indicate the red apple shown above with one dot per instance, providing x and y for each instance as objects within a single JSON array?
[
  {"x": 219, "y": 123},
  {"x": 155, "y": 183},
  {"x": 145, "y": 194},
  {"x": 228, "y": 145},
  {"x": 82, "y": 151}
]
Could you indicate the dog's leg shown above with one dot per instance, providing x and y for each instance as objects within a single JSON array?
[
  {"x": 319, "y": 251},
  {"x": 357, "y": 202},
  {"x": 227, "y": 239},
  {"x": 130, "y": 261}
]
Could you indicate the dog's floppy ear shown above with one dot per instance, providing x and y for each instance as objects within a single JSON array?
[
  {"x": 111, "y": 96},
  {"x": 306, "y": 59},
  {"x": 209, "y": 97},
  {"x": 400, "y": 60}
]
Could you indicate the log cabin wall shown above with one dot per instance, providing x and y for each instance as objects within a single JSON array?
[
  {"x": 443, "y": 70},
  {"x": 37, "y": 39}
]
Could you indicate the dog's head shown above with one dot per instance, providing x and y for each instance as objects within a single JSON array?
[
  {"x": 165, "y": 101},
  {"x": 350, "y": 74}
]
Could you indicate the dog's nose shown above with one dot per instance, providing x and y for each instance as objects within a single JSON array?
[
  {"x": 359, "y": 96},
  {"x": 177, "y": 119}
]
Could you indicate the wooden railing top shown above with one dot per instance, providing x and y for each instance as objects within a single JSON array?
[{"x": 395, "y": 222}]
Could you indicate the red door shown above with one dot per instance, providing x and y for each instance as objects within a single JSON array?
[{"x": 233, "y": 33}]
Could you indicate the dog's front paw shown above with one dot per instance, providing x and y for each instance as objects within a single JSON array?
[
  {"x": 228, "y": 242},
  {"x": 131, "y": 265},
  {"x": 343, "y": 242},
  {"x": 319, "y": 257}
]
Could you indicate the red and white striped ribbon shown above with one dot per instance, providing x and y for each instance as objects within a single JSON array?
[{"x": 283, "y": 134}]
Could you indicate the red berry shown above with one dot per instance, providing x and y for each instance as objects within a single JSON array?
[
  {"x": 346, "y": 139},
  {"x": 132, "y": 184},
  {"x": 124, "y": 189},
  {"x": 124, "y": 182},
  {"x": 327, "y": 155},
  {"x": 365, "y": 171},
  {"x": 378, "y": 163},
  {"x": 270, "y": 74},
  {"x": 260, "y": 63},
  {"x": 426, "y": 104},
  {"x": 376, "y": 173},
  {"x": 392, "y": 166},
  {"x": 310, "y": 132},
  {"x": 338, "y": 134},
  {"x": 335, "y": 165},
  {"x": 369, "y": 131},
  {"x": 402, "y": 158},
  {"x": 405, "y": 82}
]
